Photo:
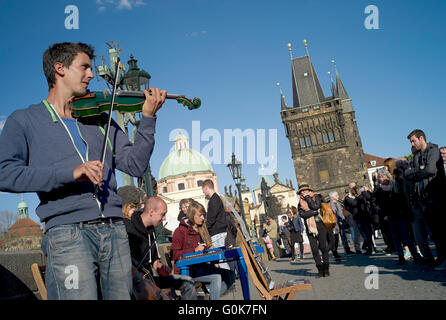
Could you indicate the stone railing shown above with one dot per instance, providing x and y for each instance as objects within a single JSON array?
[{"x": 16, "y": 279}]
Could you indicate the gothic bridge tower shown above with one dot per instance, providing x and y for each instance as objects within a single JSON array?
[{"x": 325, "y": 143}]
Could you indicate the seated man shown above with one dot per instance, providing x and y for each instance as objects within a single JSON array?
[{"x": 144, "y": 250}]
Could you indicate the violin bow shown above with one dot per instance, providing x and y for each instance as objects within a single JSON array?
[{"x": 104, "y": 145}]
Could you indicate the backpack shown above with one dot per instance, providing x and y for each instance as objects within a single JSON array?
[{"x": 327, "y": 216}]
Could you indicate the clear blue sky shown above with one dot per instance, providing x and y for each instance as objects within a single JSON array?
[{"x": 232, "y": 53}]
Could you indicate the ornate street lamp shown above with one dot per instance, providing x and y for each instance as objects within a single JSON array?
[
  {"x": 136, "y": 79},
  {"x": 266, "y": 197},
  {"x": 235, "y": 167}
]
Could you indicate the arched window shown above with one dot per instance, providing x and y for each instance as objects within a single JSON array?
[
  {"x": 331, "y": 136},
  {"x": 308, "y": 141},
  {"x": 325, "y": 137}
]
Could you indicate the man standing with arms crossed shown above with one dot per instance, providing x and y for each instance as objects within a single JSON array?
[
  {"x": 44, "y": 150},
  {"x": 428, "y": 173}
]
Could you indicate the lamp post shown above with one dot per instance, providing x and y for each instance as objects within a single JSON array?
[
  {"x": 235, "y": 167},
  {"x": 266, "y": 197},
  {"x": 136, "y": 79}
]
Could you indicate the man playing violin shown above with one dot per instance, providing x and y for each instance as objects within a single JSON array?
[{"x": 43, "y": 149}]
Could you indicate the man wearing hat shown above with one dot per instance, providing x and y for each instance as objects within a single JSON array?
[{"x": 309, "y": 205}]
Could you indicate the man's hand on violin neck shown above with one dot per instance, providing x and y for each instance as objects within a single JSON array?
[
  {"x": 154, "y": 101},
  {"x": 89, "y": 171}
]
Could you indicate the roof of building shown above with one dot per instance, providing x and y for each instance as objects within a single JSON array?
[
  {"x": 22, "y": 205},
  {"x": 269, "y": 182},
  {"x": 183, "y": 161},
  {"x": 369, "y": 158},
  {"x": 307, "y": 89},
  {"x": 24, "y": 227}
]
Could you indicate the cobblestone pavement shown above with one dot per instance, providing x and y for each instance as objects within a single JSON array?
[{"x": 347, "y": 279}]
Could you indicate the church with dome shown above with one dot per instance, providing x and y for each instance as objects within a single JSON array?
[
  {"x": 181, "y": 176},
  {"x": 24, "y": 234}
]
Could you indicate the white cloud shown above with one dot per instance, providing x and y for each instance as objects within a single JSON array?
[
  {"x": 124, "y": 4},
  {"x": 119, "y": 4},
  {"x": 196, "y": 34}
]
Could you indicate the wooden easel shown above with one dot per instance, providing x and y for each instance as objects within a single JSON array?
[{"x": 260, "y": 282}]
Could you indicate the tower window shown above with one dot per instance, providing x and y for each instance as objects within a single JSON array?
[
  {"x": 181, "y": 186},
  {"x": 308, "y": 141},
  {"x": 302, "y": 143},
  {"x": 331, "y": 136},
  {"x": 325, "y": 137}
]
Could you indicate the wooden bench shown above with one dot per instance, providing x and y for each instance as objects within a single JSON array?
[{"x": 286, "y": 289}]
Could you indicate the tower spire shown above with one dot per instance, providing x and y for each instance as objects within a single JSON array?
[
  {"x": 341, "y": 92},
  {"x": 293, "y": 72},
  {"x": 333, "y": 88},
  {"x": 283, "y": 105},
  {"x": 311, "y": 67}
]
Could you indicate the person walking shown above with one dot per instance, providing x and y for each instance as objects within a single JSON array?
[
  {"x": 296, "y": 230},
  {"x": 309, "y": 209},
  {"x": 356, "y": 203},
  {"x": 272, "y": 231},
  {"x": 342, "y": 222}
]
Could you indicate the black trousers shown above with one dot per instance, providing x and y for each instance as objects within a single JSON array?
[
  {"x": 319, "y": 243},
  {"x": 296, "y": 237},
  {"x": 333, "y": 242},
  {"x": 434, "y": 215}
]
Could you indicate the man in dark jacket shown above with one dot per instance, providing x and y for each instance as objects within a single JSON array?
[
  {"x": 43, "y": 149},
  {"x": 215, "y": 216},
  {"x": 427, "y": 171},
  {"x": 144, "y": 249}
]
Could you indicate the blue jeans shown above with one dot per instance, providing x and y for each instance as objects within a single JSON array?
[
  {"x": 344, "y": 240},
  {"x": 86, "y": 262},
  {"x": 355, "y": 234},
  {"x": 366, "y": 232}
]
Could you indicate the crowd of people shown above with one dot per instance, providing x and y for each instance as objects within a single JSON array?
[
  {"x": 47, "y": 149},
  {"x": 404, "y": 207},
  {"x": 198, "y": 230}
]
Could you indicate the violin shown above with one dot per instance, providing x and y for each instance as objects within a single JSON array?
[{"x": 95, "y": 103}]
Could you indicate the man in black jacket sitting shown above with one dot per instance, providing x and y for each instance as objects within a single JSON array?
[{"x": 144, "y": 249}]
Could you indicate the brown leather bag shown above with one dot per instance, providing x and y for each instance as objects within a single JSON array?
[{"x": 327, "y": 216}]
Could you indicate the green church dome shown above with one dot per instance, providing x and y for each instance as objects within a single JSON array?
[
  {"x": 183, "y": 160},
  {"x": 269, "y": 182},
  {"x": 22, "y": 205}
]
